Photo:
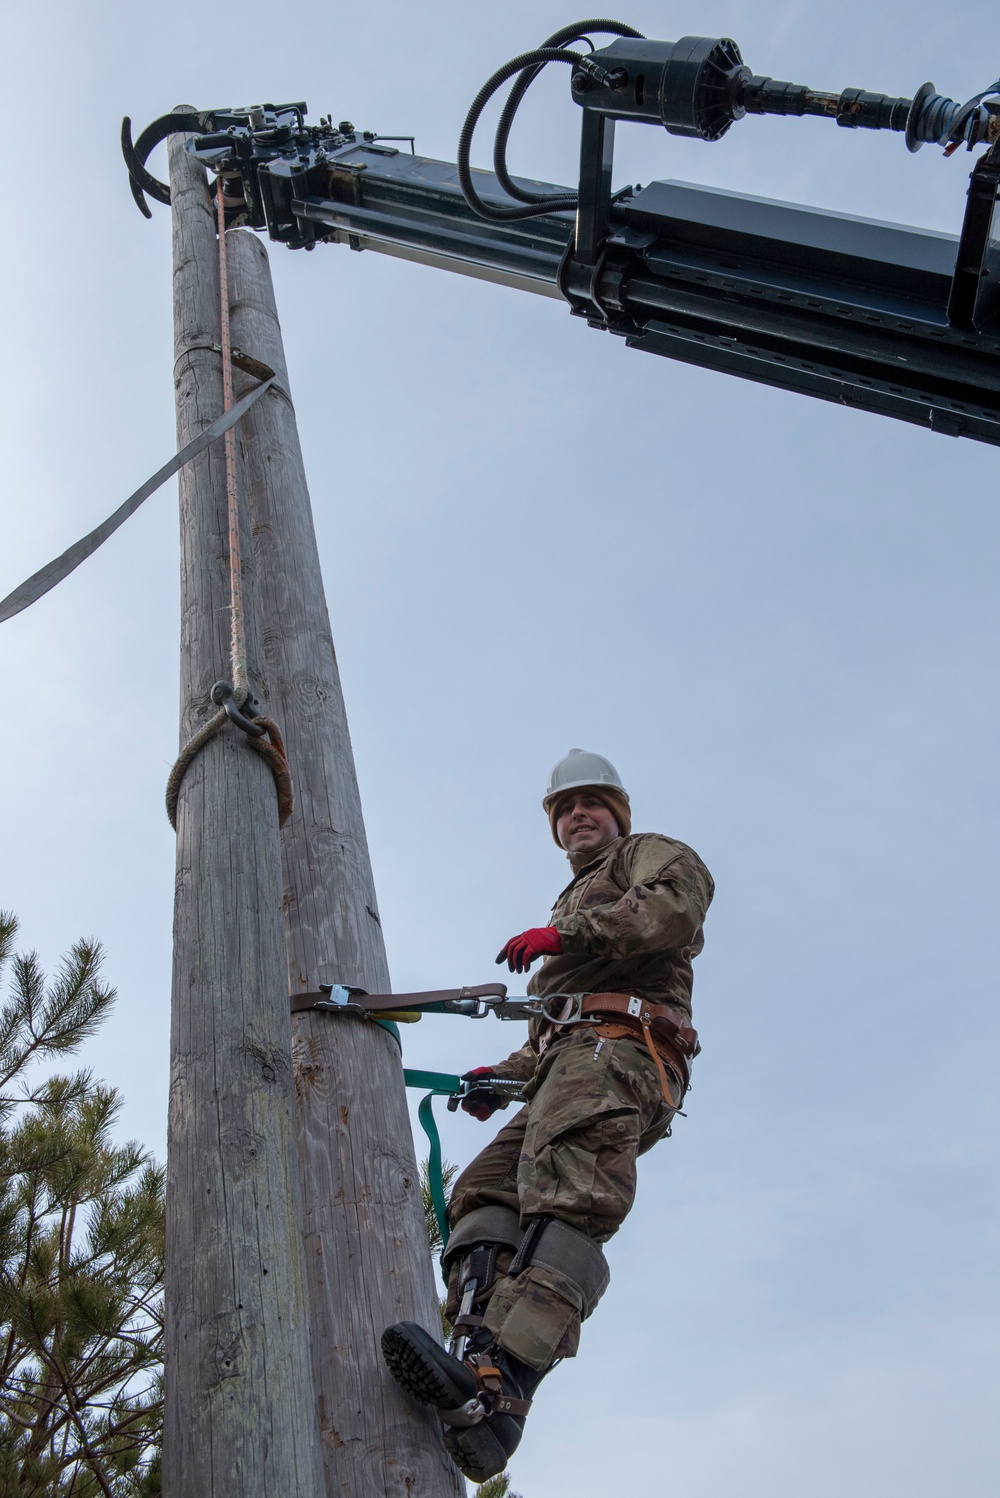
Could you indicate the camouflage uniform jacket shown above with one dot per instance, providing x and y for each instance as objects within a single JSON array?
[{"x": 630, "y": 922}]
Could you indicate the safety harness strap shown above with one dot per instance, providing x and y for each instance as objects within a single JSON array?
[
  {"x": 661, "y": 1069},
  {"x": 376, "y": 1002},
  {"x": 666, "y": 1040}
]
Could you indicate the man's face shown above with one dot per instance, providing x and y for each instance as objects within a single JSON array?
[{"x": 583, "y": 822}]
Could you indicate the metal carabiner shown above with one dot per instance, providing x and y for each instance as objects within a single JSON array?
[
  {"x": 576, "y": 1015},
  {"x": 518, "y": 1008}
]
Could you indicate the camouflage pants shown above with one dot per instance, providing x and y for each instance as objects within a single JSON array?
[{"x": 592, "y": 1107}]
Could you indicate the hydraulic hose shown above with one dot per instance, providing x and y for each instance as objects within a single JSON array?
[
  {"x": 567, "y": 36},
  {"x": 540, "y": 55},
  {"x": 969, "y": 122}
]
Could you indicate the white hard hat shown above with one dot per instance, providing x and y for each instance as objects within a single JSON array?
[{"x": 578, "y": 768}]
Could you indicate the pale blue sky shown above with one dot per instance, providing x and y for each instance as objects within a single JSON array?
[{"x": 776, "y": 617}]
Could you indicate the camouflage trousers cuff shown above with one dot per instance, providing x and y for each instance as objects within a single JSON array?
[{"x": 536, "y": 1316}]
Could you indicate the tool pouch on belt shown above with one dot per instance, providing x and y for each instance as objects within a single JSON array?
[{"x": 664, "y": 1028}]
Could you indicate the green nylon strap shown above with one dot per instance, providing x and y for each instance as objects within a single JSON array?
[
  {"x": 393, "y": 1029},
  {"x": 425, "y": 1113},
  {"x": 440, "y": 1084}
]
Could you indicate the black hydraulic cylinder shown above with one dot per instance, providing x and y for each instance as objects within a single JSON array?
[{"x": 853, "y": 107}]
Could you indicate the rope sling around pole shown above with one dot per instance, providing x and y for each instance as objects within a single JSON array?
[{"x": 233, "y": 698}]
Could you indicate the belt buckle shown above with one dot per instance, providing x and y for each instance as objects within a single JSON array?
[{"x": 635, "y": 1008}]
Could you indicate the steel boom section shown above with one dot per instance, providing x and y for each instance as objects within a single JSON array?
[{"x": 847, "y": 309}]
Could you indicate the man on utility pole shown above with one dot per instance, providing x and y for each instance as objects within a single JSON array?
[{"x": 602, "y": 1084}]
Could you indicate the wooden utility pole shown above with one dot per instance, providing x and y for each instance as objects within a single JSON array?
[
  {"x": 367, "y": 1259},
  {"x": 240, "y": 1416}
]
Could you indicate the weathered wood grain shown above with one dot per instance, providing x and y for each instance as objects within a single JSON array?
[
  {"x": 240, "y": 1416},
  {"x": 367, "y": 1259}
]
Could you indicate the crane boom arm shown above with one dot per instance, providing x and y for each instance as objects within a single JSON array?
[
  {"x": 847, "y": 309},
  {"x": 900, "y": 321}
]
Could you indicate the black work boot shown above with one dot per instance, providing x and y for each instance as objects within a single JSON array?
[
  {"x": 476, "y": 1449},
  {"x": 482, "y": 1401}
]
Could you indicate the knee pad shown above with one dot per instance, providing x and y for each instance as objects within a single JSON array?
[
  {"x": 552, "y": 1286},
  {"x": 475, "y": 1242},
  {"x": 573, "y": 1257}
]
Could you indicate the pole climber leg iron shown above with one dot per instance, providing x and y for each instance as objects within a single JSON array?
[{"x": 481, "y": 1390}]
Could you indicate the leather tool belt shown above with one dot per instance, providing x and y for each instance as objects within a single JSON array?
[{"x": 664, "y": 1028}]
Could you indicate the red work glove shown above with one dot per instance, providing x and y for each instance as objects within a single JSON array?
[
  {"x": 520, "y": 952},
  {"x": 480, "y": 1103}
]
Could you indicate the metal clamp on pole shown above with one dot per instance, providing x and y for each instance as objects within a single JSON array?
[{"x": 334, "y": 998}]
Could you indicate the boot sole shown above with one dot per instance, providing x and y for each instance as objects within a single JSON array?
[
  {"x": 424, "y": 1370},
  {"x": 476, "y": 1451}
]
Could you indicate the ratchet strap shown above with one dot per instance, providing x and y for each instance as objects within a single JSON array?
[
  {"x": 445, "y": 1084},
  {"x": 375, "y": 1003}
]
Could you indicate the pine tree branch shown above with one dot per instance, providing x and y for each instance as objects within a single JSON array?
[{"x": 81, "y": 1252}]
